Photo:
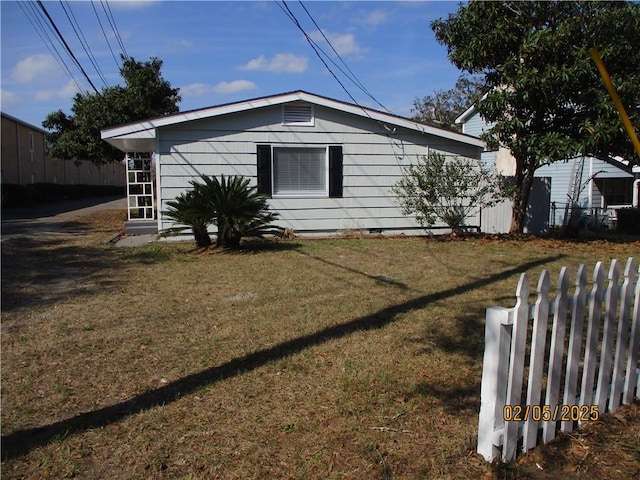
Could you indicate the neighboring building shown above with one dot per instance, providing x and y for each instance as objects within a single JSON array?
[
  {"x": 26, "y": 160},
  {"x": 326, "y": 165},
  {"x": 595, "y": 188},
  {"x": 589, "y": 187},
  {"x": 24, "y": 152}
]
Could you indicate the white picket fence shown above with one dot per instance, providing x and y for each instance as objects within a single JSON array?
[{"x": 559, "y": 354}]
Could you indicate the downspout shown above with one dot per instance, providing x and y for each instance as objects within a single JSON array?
[{"x": 636, "y": 186}]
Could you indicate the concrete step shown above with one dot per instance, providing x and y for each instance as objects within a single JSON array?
[{"x": 140, "y": 227}]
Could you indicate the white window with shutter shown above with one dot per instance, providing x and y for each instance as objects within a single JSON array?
[{"x": 300, "y": 171}]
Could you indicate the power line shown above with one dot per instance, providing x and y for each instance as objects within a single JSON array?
[
  {"x": 105, "y": 35},
  {"x": 34, "y": 17},
  {"x": 112, "y": 22},
  {"x": 313, "y": 45},
  {"x": 83, "y": 40},
  {"x": 284, "y": 7},
  {"x": 66, "y": 45},
  {"x": 418, "y": 125},
  {"x": 352, "y": 75}
]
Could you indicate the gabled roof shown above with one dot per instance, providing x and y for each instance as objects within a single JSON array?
[
  {"x": 467, "y": 114},
  {"x": 140, "y": 136}
]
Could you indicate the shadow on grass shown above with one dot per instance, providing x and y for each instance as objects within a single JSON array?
[
  {"x": 42, "y": 270},
  {"x": 378, "y": 278},
  {"x": 21, "y": 442},
  {"x": 464, "y": 336},
  {"x": 259, "y": 246},
  {"x": 455, "y": 398}
]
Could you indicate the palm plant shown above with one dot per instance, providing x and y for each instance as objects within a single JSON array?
[
  {"x": 239, "y": 210},
  {"x": 235, "y": 208},
  {"x": 188, "y": 211}
]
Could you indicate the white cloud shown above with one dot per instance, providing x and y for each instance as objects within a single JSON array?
[
  {"x": 197, "y": 90},
  {"x": 66, "y": 91},
  {"x": 235, "y": 86},
  {"x": 203, "y": 89},
  {"x": 36, "y": 67},
  {"x": 179, "y": 45},
  {"x": 131, "y": 4},
  {"x": 9, "y": 99},
  {"x": 280, "y": 63},
  {"x": 344, "y": 43},
  {"x": 375, "y": 18}
]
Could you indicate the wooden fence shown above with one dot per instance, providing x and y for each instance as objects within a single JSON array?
[{"x": 586, "y": 344}]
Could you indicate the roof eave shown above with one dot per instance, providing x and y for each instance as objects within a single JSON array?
[
  {"x": 147, "y": 129},
  {"x": 466, "y": 114}
]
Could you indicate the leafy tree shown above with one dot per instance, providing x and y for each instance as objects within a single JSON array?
[
  {"x": 443, "y": 107},
  {"x": 546, "y": 100},
  {"x": 446, "y": 189},
  {"x": 146, "y": 94},
  {"x": 235, "y": 208}
]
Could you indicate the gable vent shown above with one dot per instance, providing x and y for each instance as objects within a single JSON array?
[{"x": 298, "y": 114}]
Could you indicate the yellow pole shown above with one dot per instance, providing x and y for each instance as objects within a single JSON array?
[{"x": 616, "y": 99}]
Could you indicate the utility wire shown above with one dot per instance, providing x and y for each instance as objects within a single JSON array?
[
  {"x": 285, "y": 8},
  {"x": 105, "y": 35},
  {"x": 83, "y": 40},
  {"x": 33, "y": 15},
  {"x": 66, "y": 45},
  {"x": 352, "y": 75},
  {"x": 293, "y": 18},
  {"x": 112, "y": 22}
]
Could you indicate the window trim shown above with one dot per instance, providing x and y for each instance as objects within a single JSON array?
[{"x": 301, "y": 194}]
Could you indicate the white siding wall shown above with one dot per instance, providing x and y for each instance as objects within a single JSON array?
[
  {"x": 475, "y": 125},
  {"x": 560, "y": 172},
  {"x": 373, "y": 161}
]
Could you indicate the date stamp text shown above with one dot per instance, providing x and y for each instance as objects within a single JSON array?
[{"x": 546, "y": 413}]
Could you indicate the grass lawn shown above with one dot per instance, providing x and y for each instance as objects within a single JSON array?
[{"x": 310, "y": 359}]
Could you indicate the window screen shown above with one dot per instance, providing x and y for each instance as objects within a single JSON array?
[{"x": 300, "y": 171}]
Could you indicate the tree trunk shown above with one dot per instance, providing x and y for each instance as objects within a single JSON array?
[
  {"x": 524, "y": 182},
  {"x": 202, "y": 237}
]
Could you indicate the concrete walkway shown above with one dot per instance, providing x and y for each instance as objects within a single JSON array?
[{"x": 137, "y": 240}]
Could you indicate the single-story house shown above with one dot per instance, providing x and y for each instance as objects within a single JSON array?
[
  {"x": 326, "y": 165},
  {"x": 592, "y": 187}
]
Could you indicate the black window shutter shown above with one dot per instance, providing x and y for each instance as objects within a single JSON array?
[
  {"x": 264, "y": 169},
  {"x": 335, "y": 172}
]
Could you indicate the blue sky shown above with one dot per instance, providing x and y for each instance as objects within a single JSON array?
[{"x": 220, "y": 52}]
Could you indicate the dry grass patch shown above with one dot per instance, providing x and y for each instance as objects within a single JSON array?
[{"x": 350, "y": 358}]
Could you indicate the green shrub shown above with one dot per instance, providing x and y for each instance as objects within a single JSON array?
[{"x": 444, "y": 189}]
